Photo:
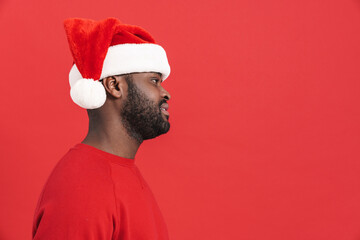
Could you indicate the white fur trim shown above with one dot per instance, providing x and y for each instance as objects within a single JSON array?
[
  {"x": 88, "y": 93},
  {"x": 74, "y": 75},
  {"x": 128, "y": 58}
]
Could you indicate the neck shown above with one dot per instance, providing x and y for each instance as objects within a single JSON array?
[{"x": 109, "y": 135}]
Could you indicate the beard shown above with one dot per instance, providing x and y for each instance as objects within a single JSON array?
[{"x": 142, "y": 117}]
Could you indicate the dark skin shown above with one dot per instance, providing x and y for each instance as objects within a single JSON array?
[{"x": 106, "y": 130}]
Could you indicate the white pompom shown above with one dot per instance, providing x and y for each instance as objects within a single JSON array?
[{"x": 88, "y": 93}]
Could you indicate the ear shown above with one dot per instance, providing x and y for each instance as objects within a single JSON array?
[{"x": 114, "y": 86}]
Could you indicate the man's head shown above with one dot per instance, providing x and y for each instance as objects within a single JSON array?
[
  {"x": 117, "y": 74},
  {"x": 139, "y": 101}
]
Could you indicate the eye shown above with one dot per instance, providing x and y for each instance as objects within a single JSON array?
[{"x": 155, "y": 80}]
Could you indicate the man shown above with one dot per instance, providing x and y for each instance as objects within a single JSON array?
[{"x": 96, "y": 191}]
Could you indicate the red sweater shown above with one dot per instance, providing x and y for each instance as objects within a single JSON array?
[{"x": 95, "y": 195}]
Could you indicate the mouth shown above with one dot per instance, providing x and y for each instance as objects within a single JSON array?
[{"x": 164, "y": 109}]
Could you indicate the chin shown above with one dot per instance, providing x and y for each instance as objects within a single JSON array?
[{"x": 157, "y": 132}]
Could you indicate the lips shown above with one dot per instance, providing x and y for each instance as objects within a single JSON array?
[{"x": 164, "y": 107}]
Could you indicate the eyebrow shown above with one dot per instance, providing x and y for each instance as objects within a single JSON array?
[{"x": 158, "y": 74}]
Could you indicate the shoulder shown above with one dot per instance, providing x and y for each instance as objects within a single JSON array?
[
  {"x": 78, "y": 196},
  {"x": 80, "y": 170}
]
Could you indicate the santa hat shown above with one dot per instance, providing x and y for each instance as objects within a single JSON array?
[{"x": 106, "y": 48}]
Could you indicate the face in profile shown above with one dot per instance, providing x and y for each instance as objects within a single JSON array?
[{"x": 144, "y": 112}]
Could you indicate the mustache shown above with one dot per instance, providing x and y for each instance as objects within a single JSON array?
[{"x": 161, "y": 102}]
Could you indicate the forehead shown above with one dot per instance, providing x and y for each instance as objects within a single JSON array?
[{"x": 146, "y": 74}]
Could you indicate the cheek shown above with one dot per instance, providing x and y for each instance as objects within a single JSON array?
[{"x": 152, "y": 94}]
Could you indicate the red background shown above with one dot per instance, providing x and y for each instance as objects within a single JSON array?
[{"x": 264, "y": 142}]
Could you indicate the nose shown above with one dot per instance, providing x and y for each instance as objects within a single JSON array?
[{"x": 165, "y": 94}]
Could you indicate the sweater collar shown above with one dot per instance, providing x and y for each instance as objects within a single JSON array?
[{"x": 108, "y": 156}]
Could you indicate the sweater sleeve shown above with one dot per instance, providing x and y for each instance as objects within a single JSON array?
[{"x": 77, "y": 203}]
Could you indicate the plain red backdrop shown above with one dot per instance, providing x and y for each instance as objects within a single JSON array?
[{"x": 264, "y": 142}]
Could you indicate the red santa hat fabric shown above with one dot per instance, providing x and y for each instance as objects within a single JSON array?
[{"x": 106, "y": 48}]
